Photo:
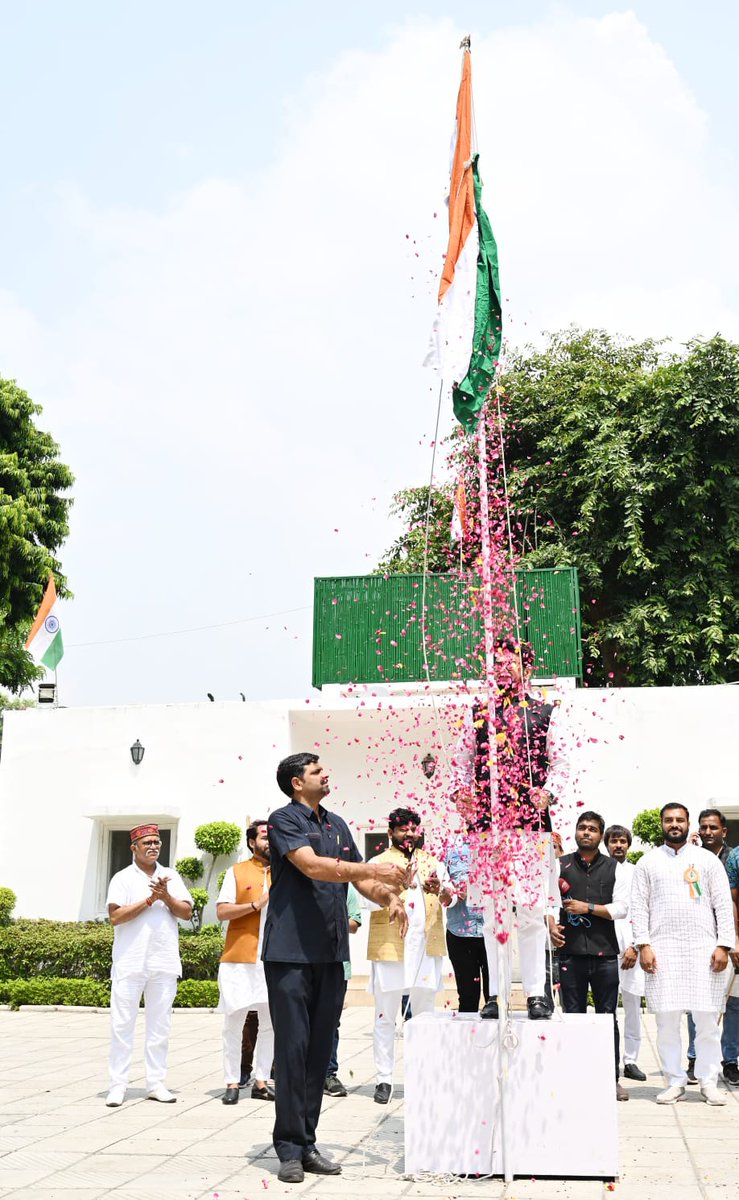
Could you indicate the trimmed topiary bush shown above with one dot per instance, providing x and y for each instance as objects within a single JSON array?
[{"x": 190, "y": 868}]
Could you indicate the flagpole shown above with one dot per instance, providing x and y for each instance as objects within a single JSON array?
[{"x": 502, "y": 948}]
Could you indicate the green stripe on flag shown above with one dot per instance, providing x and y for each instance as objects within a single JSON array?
[
  {"x": 469, "y": 395},
  {"x": 54, "y": 652}
]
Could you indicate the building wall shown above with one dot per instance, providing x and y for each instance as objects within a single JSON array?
[{"x": 67, "y": 779}]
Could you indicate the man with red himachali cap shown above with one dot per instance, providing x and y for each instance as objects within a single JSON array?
[
  {"x": 531, "y": 773},
  {"x": 145, "y": 902}
]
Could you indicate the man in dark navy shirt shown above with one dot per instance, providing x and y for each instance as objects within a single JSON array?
[{"x": 306, "y": 941}]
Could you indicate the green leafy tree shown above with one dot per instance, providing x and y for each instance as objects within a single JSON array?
[
  {"x": 406, "y": 555},
  {"x": 621, "y": 460},
  {"x": 34, "y": 516}
]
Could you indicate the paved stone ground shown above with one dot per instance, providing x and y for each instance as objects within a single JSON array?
[{"x": 59, "y": 1142}]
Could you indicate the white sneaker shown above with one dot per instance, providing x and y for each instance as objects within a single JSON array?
[
  {"x": 671, "y": 1095},
  {"x": 712, "y": 1095},
  {"x": 161, "y": 1093},
  {"x": 115, "y": 1097}
]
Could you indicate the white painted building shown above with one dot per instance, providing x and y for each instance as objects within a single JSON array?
[{"x": 69, "y": 790}]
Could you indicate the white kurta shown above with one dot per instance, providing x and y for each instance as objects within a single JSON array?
[
  {"x": 418, "y": 969},
  {"x": 241, "y": 985},
  {"x": 682, "y": 930},
  {"x": 150, "y": 943},
  {"x": 631, "y": 981}
]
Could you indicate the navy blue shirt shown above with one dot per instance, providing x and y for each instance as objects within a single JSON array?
[{"x": 306, "y": 919}]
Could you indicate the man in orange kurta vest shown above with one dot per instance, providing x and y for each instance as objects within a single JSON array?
[{"x": 242, "y": 902}]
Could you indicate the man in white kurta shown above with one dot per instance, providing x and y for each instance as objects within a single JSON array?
[
  {"x": 683, "y": 926},
  {"x": 144, "y": 903},
  {"x": 412, "y": 966},
  {"x": 617, "y": 840},
  {"x": 242, "y": 901}
]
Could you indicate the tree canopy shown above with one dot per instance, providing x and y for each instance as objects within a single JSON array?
[
  {"x": 34, "y": 516},
  {"x": 621, "y": 461}
]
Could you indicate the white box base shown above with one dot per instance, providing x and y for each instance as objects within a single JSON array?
[{"x": 559, "y": 1114}]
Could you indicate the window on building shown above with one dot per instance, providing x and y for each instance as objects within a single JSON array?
[
  {"x": 119, "y": 854},
  {"x": 375, "y": 843}
]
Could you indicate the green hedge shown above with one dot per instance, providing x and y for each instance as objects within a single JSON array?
[
  {"x": 71, "y": 950},
  {"x": 191, "y": 993}
]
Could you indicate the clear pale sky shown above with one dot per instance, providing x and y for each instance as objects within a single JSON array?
[{"x": 220, "y": 232}]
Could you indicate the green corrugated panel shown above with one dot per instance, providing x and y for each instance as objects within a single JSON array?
[{"x": 366, "y": 628}]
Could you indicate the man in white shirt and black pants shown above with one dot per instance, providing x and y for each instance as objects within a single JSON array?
[{"x": 144, "y": 902}]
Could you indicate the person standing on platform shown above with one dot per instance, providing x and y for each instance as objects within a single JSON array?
[
  {"x": 712, "y": 831},
  {"x": 683, "y": 924},
  {"x": 242, "y": 988},
  {"x": 594, "y": 896},
  {"x": 412, "y": 965},
  {"x": 144, "y": 903},
  {"x": 306, "y": 943},
  {"x": 532, "y": 771},
  {"x": 464, "y": 941},
  {"x": 617, "y": 841},
  {"x": 333, "y": 1085}
]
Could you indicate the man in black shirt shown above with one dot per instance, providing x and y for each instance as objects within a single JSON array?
[
  {"x": 594, "y": 895},
  {"x": 306, "y": 942}
]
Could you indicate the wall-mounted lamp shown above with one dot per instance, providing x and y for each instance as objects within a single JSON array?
[
  {"x": 137, "y": 752},
  {"x": 46, "y": 693},
  {"x": 428, "y": 765}
]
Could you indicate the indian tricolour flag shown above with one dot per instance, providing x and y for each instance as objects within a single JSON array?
[
  {"x": 44, "y": 642},
  {"x": 465, "y": 342}
]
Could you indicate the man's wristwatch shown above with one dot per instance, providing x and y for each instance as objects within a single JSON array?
[{"x": 591, "y": 907}]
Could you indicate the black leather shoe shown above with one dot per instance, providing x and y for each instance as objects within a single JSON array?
[
  {"x": 539, "y": 1008},
  {"x": 691, "y": 1071},
  {"x": 731, "y": 1073},
  {"x": 631, "y": 1071},
  {"x": 265, "y": 1093},
  {"x": 383, "y": 1092},
  {"x": 315, "y": 1164},
  {"x": 333, "y": 1086},
  {"x": 230, "y": 1096},
  {"x": 291, "y": 1171},
  {"x": 490, "y": 1009}
]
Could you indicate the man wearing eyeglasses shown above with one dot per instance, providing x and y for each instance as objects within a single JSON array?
[{"x": 145, "y": 901}]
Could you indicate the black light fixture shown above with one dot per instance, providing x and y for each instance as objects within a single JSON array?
[
  {"x": 428, "y": 765},
  {"x": 137, "y": 752},
  {"x": 46, "y": 693}
]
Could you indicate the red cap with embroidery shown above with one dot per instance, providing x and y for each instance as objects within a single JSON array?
[{"x": 143, "y": 831}]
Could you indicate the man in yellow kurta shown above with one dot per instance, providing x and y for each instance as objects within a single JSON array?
[{"x": 412, "y": 965}]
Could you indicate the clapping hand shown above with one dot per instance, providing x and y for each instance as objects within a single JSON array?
[{"x": 159, "y": 888}]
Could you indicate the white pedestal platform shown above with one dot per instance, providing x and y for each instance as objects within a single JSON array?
[{"x": 559, "y": 1115}]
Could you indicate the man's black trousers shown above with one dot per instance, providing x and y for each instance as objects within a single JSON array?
[
  {"x": 470, "y": 966},
  {"x": 577, "y": 973},
  {"x": 305, "y": 1002}
]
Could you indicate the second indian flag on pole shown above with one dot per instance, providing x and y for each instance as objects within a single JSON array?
[
  {"x": 44, "y": 642},
  {"x": 465, "y": 341}
]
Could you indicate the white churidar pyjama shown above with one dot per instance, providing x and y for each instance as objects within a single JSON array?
[
  {"x": 264, "y": 1051},
  {"x": 707, "y": 1047},
  {"x": 387, "y": 1005},
  {"x": 125, "y": 996},
  {"x": 632, "y": 1026}
]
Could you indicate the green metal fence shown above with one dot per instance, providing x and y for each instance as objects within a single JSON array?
[{"x": 367, "y": 628}]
